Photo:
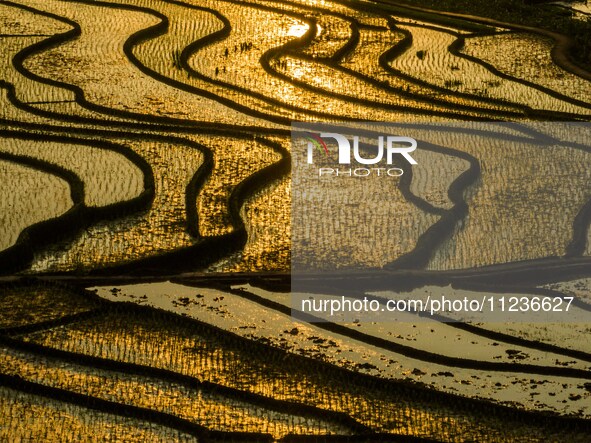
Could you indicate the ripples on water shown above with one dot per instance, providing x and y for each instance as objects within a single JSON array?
[{"x": 156, "y": 141}]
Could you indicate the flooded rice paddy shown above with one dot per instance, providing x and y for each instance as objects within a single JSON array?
[{"x": 146, "y": 226}]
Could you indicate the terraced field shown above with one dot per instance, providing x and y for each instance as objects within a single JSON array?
[{"x": 147, "y": 232}]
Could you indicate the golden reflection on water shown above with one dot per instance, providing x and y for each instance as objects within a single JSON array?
[
  {"x": 160, "y": 229},
  {"x": 35, "y": 196},
  {"x": 297, "y": 30},
  {"x": 534, "y": 203},
  {"x": 144, "y": 341},
  {"x": 207, "y": 408},
  {"x": 64, "y": 422}
]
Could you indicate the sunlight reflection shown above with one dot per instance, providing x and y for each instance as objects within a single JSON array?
[{"x": 297, "y": 30}]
